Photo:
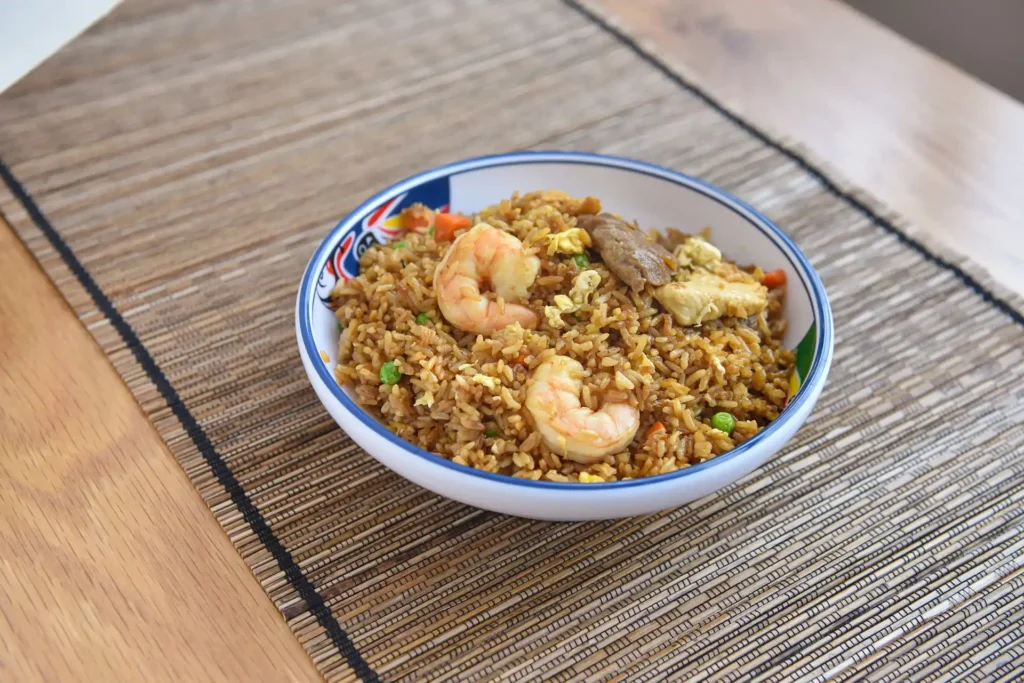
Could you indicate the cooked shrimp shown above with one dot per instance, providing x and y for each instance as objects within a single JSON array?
[
  {"x": 486, "y": 255},
  {"x": 566, "y": 425}
]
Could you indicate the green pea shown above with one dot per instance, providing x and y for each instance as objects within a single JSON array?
[
  {"x": 340, "y": 328},
  {"x": 389, "y": 373},
  {"x": 422, "y": 319},
  {"x": 399, "y": 244},
  {"x": 723, "y": 422},
  {"x": 491, "y": 433},
  {"x": 581, "y": 260}
]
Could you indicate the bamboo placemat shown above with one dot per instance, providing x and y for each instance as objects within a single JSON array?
[{"x": 173, "y": 170}]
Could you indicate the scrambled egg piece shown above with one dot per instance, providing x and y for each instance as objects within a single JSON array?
[
  {"x": 706, "y": 296},
  {"x": 697, "y": 252},
  {"x": 488, "y": 382},
  {"x": 564, "y": 303},
  {"x": 583, "y": 285},
  {"x": 587, "y": 478},
  {"x": 571, "y": 241},
  {"x": 554, "y": 317},
  {"x": 645, "y": 367}
]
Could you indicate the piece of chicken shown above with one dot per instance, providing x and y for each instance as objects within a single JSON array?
[{"x": 705, "y": 296}]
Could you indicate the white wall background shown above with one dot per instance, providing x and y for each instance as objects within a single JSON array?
[
  {"x": 983, "y": 37},
  {"x": 32, "y": 30}
]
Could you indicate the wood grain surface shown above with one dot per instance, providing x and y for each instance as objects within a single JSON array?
[
  {"x": 111, "y": 566},
  {"x": 932, "y": 142}
]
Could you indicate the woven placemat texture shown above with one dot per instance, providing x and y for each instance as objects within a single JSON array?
[{"x": 173, "y": 170}]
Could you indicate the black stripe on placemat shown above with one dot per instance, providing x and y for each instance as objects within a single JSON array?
[
  {"x": 213, "y": 459},
  {"x": 794, "y": 156}
]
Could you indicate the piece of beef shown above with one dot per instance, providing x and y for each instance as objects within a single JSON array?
[{"x": 627, "y": 252}]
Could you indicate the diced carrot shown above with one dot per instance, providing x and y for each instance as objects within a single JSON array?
[
  {"x": 416, "y": 218},
  {"x": 445, "y": 225},
  {"x": 520, "y": 359},
  {"x": 774, "y": 278},
  {"x": 657, "y": 426}
]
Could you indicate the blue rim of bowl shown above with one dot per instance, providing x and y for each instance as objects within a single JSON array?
[{"x": 809, "y": 279}]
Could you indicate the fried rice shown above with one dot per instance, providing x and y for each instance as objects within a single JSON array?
[{"x": 463, "y": 396}]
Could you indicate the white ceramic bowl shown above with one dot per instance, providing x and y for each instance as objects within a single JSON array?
[{"x": 653, "y": 195}]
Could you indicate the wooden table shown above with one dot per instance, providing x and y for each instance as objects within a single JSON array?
[{"x": 93, "y": 586}]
